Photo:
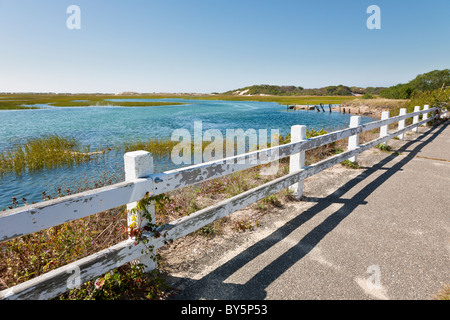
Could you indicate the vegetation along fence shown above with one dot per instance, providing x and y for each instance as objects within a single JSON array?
[{"x": 142, "y": 183}]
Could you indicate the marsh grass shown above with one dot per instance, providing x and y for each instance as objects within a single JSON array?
[
  {"x": 107, "y": 103},
  {"x": 157, "y": 147},
  {"x": 28, "y": 101},
  {"x": 163, "y": 147},
  {"x": 44, "y": 153}
]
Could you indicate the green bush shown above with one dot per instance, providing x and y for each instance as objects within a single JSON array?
[
  {"x": 367, "y": 96},
  {"x": 434, "y": 80},
  {"x": 434, "y": 98}
]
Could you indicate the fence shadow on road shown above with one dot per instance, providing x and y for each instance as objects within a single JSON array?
[{"x": 212, "y": 286}]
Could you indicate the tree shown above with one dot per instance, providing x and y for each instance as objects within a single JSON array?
[
  {"x": 432, "y": 80},
  {"x": 399, "y": 91},
  {"x": 429, "y": 81}
]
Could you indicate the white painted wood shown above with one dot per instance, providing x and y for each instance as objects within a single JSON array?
[
  {"x": 297, "y": 161},
  {"x": 384, "y": 129},
  {"x": 401, "y": 123},
  {"x": 425, "y": 115},
  {"x": 377, "y": 124},
  {"x": 139, "y": 164},
  {"x": 353, "y": 141},
  {"x": 40, "y": 216},
  {"x": 445, "y": 114},
  {"x": 416, "y": 118},
  {"x": 56, "y": 282}
]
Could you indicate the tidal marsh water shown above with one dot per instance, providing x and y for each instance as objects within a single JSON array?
[{"x": 101, "y": 127}]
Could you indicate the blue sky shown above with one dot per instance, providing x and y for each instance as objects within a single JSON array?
[{"x": 217, "y": 45}]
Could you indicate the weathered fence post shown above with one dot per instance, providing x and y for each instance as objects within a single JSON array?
[
  {"x": 353, "y": 141},
  {"x": 384, "y": 129},
  {"x": 416, "y": 118},
  {"x": 401, "y": 124},
  {"x": 425, "y": 115},
  {"x": 139, "y": 164},
  {"x": 297, "y": 161}
]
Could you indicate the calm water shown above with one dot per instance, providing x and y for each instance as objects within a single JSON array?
[{"x": 110, "y": 126}]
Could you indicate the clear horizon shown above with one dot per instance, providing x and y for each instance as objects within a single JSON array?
[{"x": 204, "y": 46}]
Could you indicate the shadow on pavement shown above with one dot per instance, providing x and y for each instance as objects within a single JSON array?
[{"x": 212, "y": 286}]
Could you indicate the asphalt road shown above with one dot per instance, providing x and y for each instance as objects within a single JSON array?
[{"x": 380, "y": 232}]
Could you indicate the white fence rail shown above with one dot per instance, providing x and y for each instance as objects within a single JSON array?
[{"x": 141, "y": 181}]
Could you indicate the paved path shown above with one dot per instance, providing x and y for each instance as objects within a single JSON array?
[{"x": 380, "y": 232}]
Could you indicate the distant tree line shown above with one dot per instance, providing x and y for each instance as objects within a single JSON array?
[
  {"x": 339, "y": 90},
  {"x": 437, "y": 79}
]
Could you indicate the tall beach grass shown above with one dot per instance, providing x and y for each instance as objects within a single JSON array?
[{"x": 43, "y": 153}]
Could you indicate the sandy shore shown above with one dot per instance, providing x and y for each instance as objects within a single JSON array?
[
  {"x": 360, "y": 110},
  {"x": 367, "y": 107}
]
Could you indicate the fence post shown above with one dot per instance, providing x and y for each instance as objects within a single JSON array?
[
  {"x": 384, "y": 129},
  {"x": 139, "y": 164},
  {"x": 297, "y": 161},
  {"x": 425, "y": 115},
  {"x": 401, "y": 123},
  {"x": 353, "y": 141},
  {"x": 416, "y": 118}
]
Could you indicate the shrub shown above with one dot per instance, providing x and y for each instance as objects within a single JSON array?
[{"x": 367, "y": 96}]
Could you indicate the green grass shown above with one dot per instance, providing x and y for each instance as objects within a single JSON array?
[
  {"x": 45, "y": 152},
  {"x": 90, "y": 103},
  {"x": 349, "y": 164},
  {"x": 157, "y": 147},
  {"x": 384, "y": 147},
  {"x": 272, "y": 200},
  {"x": 27, "y": 101}
]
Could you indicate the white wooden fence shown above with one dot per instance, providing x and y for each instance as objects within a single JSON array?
[{"x": 140, "y": 180}]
